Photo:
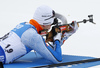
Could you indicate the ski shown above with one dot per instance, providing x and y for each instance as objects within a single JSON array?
[{"x": 68, "y": 63}]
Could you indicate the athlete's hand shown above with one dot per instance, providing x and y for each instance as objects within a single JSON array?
[
  {"x": 57, "y": 37},
  {"x": 74, "y": 25}
]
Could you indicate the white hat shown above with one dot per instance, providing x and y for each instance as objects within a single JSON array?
[{"x": 44, "y": 15}]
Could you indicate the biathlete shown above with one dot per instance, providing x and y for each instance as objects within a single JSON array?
[{"x": 25, "y": 37}]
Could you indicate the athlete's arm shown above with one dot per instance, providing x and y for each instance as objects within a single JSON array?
[{"x": 33, "y": 40}]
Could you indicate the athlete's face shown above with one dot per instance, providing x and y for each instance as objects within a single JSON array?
[{"x": 46, "y": 26}]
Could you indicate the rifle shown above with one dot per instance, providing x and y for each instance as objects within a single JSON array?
[{"x": 62, "y": 28}]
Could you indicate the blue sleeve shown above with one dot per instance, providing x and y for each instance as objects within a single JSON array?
[{"x": 57, "y": 53}]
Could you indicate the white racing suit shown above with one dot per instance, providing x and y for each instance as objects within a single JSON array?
[{"x": 22, "y": 39}]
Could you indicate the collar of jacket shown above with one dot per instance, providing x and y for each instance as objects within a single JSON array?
[{"x": 36, "y": 24}]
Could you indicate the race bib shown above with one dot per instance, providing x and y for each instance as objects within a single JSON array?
[{"x": 13, "y": 47}]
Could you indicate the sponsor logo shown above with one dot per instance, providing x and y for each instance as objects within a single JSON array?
[
  {"x": 63, "y": 28},
  {"x": 47, "y": 23},
  {"x": 46, "y": 15},
  {"x": 18, "y": 27},
  {"x": 2, "y": 58}
]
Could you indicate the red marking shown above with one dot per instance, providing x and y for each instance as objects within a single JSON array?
[
  {"x": 63, "y": 28},
  {"x": 46, "y": 44},
  {"x": 63, "y": 41},
  {"x": 43, "y": 33}
]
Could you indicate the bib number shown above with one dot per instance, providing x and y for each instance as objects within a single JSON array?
[{"x": 8, "y": 50}]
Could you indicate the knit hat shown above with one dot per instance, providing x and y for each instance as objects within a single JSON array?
[{"x": 44, "y": 15}]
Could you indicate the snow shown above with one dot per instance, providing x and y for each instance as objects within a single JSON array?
[{"x": 85, "y": 42}]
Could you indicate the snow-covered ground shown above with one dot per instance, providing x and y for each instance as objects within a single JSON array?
[{"x": 85, "y": 42}]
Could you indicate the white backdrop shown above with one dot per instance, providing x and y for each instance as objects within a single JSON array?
[{"x": 85, "y": 42}]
